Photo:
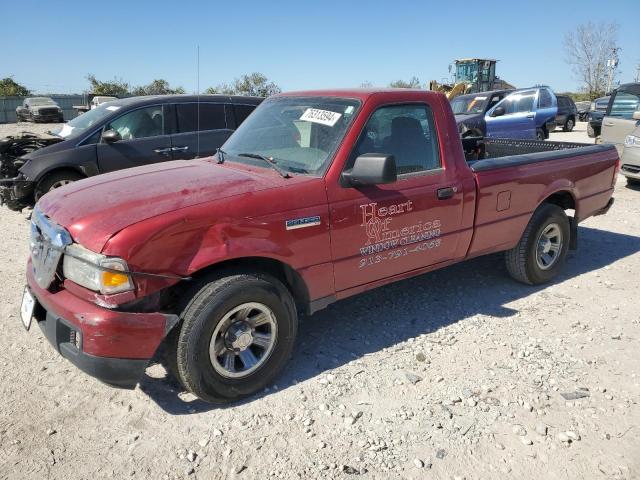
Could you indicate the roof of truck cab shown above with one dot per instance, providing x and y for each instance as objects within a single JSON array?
[
  {"x": 155, "y": 99},
  {"x": 358, "y": 93}
]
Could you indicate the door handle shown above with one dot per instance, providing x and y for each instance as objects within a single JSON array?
[
  {"x": 179, "y": 149},
  {"x": 163, "y": 151},
  {"x": 531, "y": 115},
  {"x": 609, "y": 124},
  {"x": 447, "y": 192}
]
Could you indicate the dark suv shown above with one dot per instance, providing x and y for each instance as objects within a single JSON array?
[
  {"x": 567, "y": 113},
  {"x": 598, "y": 109},
  {"x": 121, "y": 134}
]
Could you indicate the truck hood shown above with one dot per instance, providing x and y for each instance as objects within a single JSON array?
[{"x": 95, "y": 209}]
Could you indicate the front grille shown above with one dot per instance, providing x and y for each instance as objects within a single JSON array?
[
  {"x": 47, "y": 111},
  {"x": 631, "y": 168},
  {"x": 48, "y": 241}
]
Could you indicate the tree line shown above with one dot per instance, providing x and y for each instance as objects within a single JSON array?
[{"x": 253, "y": 84}]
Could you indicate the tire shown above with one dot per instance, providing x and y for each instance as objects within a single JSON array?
[
  {"x": 568, "y": 125},
  {"x": 590, "y": 131},
  {"x": 540, "y": 134},
  {"x": 525, "y": 262},
  {"x": 208, "y": 319},
  {"x": 633, "y": 182},
  {"x": 55, "y": 180}
]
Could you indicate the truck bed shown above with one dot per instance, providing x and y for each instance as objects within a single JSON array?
[
  {"x": 481, "y": 153},
  {"x": 514, "y": 176}
]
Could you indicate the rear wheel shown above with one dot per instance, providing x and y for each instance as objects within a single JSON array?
[
  {"x": 55, "y": 180},
  {"x": 540, "y": 134},
  {"x": 568, "y": 125},
  {"x": 539, "y": 255},
  {"x": 237, "y": 334}
]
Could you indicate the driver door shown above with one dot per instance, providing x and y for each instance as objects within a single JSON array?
[
  {"x": 378, "y": 231},
  {"x": 144, "y": 140}
]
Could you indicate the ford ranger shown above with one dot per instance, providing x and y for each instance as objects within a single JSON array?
[{"x": 316, "y": 197}]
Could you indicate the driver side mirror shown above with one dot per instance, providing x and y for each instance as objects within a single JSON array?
[
  {"x": 636, "y": 115},
  {"x": 111, "y": 136},
  {"x": 371, "y": 169},
  {"x": 498, "y": 112}
]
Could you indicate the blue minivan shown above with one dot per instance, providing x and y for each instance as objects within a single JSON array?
[{"x": 528, "y": 113}]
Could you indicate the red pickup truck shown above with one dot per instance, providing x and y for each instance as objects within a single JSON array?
[{"x": 316, "y": 197}]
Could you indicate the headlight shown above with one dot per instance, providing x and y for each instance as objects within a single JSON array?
[
  {"x": 95, "y": 271},
  {"x": 632, "y": 141}
]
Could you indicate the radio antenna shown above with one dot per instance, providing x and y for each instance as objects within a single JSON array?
[{"x": 198, "y": 93}]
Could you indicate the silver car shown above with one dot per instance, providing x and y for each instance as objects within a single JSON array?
[
  {"x": 630, "y": 158},
  {"x": 622, "y": 116}
]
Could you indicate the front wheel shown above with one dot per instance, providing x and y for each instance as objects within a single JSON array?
[
  {"x": 237, "y": 333},
  {"x": 568, "y": 126},
  {"x": 540, "y": 254},
  {"x": 55, "y": 180}
]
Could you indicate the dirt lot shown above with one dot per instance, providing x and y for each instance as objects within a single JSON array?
[{"x": 461, "y": 373}]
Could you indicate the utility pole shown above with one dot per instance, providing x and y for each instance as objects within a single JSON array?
[
  {"x": 612, "y": 64},
  {"x": 637, "y": 79}
]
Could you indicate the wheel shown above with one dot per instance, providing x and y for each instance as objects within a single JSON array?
[
  {"x": 633, "y": 182},
  {"x": 539, "y": 255},
  {"x": 540, "y": 134},
  {"x": 590, "y": 131},
  {"x": 55, "y": 180},
  {"x": 237, "y": 333},
  {"x": 568, "y": 125}
]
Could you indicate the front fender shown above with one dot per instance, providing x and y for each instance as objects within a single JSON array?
[{"x": 81, "y": 159}]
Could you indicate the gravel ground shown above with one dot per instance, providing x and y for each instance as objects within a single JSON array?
[{"x": 461, "y": 373}]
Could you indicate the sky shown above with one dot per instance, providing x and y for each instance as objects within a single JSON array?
[{"x": 52, "y": 46}]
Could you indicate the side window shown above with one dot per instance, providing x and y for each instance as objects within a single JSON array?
[
  {"x": 624, "y": 104},
  {"x": 545, "y": 99},
  {"x": 241, "y": 112},
  {"x": 495, "y": 99},
  {"x": 211, "y": 117},
  {"x": 405, "y": 131},
  {"x": 140, "y": 123},
  {"x": 519, "y": 102}
]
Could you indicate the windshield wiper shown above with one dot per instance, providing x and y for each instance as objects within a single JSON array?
[
  {"x": 221, "y": 153},
  {"x": 270, "y": 161}
]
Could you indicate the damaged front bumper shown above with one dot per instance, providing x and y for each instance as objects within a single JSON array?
[{"x": 16, "y": 192}]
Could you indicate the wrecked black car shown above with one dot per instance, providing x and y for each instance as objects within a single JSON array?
[{"x": 124, "y": 133}]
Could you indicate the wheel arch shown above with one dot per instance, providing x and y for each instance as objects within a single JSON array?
[
  {"x": 291, "y": 278},
  {"x": 60, "y": 169},
  {"x": 566, "y": 200}
]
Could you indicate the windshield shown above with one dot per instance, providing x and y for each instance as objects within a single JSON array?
[
  {"x": 41, "y": 101},
  {"x": 469, "y": 104},
  {"x": 85, "y": 121},
  {"x": 299, "y": 134}
]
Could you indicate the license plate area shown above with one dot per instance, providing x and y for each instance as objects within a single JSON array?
[{"x": 27, "y": 307}]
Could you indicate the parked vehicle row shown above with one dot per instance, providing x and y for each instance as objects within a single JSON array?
[
  {"x": 119, "y": 134},
  {"x": 317, "y": 196}
]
